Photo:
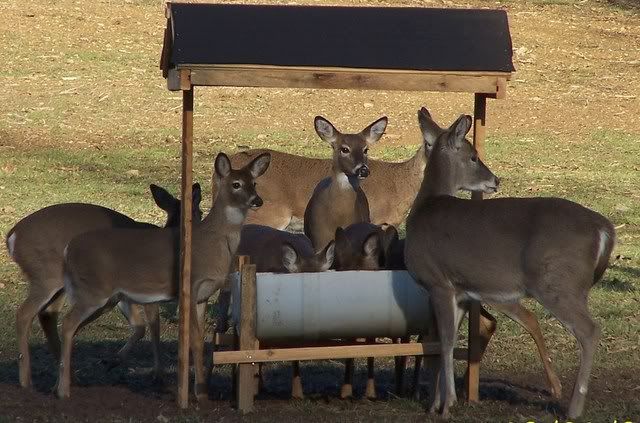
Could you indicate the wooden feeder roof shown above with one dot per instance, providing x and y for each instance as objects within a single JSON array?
[{"x": 328, "y": 47}]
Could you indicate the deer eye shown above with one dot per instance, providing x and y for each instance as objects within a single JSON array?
[
  {"x": 474, "y": 158},
  {"x": 366, "y": 150},
  {"x": 236, "y": 185},
  {"x": 344, "y": 150}
]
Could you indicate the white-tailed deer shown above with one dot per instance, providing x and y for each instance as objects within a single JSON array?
[
  {"x": 338, "y": 200},
  {"x": 287, "y": 188},
  {"x": 143, "y": 266},
  {"x": 272, "y": 250},
  {"x": 37, "y": 243},
  {"x": 501, "y": 250}
]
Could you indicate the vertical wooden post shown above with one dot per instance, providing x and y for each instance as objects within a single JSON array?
[
  {"x": 473, "y": 361},
  {"x": 185, "y": 246},
  {"x": 241, "y": 261},
  {"x": 246, "y": 372}
]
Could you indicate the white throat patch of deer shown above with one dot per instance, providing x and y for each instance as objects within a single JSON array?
[
  {"x": 143, "y": 265},
  {"x": 338, "y": 200},
  {"x": 507, "y": 248}
]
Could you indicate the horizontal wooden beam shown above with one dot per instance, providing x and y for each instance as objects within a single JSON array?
[
  {"x": 347, "y": 78},
  {"x": 325, "y": 353}
]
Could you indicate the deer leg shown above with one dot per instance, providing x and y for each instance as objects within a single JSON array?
[
  {"x": 197, "y": 349},
  {"x": 446, "y": 311},
  {"x": 296, "y": 382},
  {"x": 347, "y": 387},
  {"x": 370, "y": 391},
  {"x": 152, "y": 313},
  {"x": 48, "y": 318},
  {"x": 573, "y": 313},
  {"x": 224, "y": 301},
  {"x": 133, "y": 314},
  {"x": 80, "y": 314},
  {"x": 527, "y": 320},
  {"x": 400, "y": 367},
  {"x": 34, "y": 302}
]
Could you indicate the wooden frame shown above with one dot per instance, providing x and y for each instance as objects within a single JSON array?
[
  {"x": 186, "y": 76},
  {"x": 248, "y": 353}
]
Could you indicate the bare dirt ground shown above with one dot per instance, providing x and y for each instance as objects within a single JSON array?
[{"x": 84, "y": 75}]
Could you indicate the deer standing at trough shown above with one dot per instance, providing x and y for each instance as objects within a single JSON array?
[
  {"x": 142, "y": 266},
  {"x": 37, "y": 243},
  {"x": 390, "y": 188},
  {"x": 272, "y": 250},
  {"x": 338, "y": 200},
  {"x": 499, "y": 251}
]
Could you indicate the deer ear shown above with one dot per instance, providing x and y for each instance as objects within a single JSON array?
[
  {"x": 259, "y": 165},
  {"x": 325, "y": 130},
  {"x": 374, "y": 132},
  {"x": 327, "y": 255},
  {"x": 429, "y": 128},
  {"x": 341, "y": 237},
  {"x": 371, "y": 246},
  {"x": 290, "y": 258},
  {"x": 459, "y": 130},
  {"x": 163, "y": 199},
  {"x": 196, "y": 194},
  {"x": 389, "y": 237},
  {"x": 222, "y": 165}
]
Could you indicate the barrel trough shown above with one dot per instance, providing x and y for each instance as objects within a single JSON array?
[{"x": 333, "y": 305}]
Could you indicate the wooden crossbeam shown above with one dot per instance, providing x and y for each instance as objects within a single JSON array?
[{"x": 326, "y": 353}]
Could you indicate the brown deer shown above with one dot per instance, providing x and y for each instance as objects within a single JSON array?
[
  {"x": 142, "y": 266},
  {"x": 287, "y": 188},
  {"x": 499, "y": 251},
  {"x": 338, "y": 200},
  {"x": 272, "y": 250},
  {"x": 359, "y": 247},
  {"x": 36, "y": 244}
]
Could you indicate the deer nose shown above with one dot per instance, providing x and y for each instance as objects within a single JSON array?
[
  {"x": 256, "y": 202},
  {"x": 362, "y": 172}
]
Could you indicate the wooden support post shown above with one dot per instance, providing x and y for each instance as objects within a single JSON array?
[
  {"x": 247, "y": 337},
  {"x": 240, "y": 262},
  {"x": 479, "y": 129},
  {"x": 474, "y": 351},
  {"x": 185, "y": 248},
  {"x": 473, "y": 363}
]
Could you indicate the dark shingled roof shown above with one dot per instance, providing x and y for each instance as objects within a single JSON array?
[{"x": 323, "y": 36}]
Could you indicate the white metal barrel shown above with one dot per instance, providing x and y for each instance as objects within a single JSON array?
[{"x": 329, "y": 305}]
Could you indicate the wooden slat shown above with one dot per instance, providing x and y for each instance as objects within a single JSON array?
[
  {"x": 334, "y": 69},
  {"x": 247, "y": 338},
  {"x": 326, "y": 353},
  {"x": 185, "y": 249},
  {"x": 333, "y": 78}
]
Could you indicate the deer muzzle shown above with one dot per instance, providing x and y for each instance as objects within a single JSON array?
[
  {"x": 362, "y": 172},
  {"x": 256, "y": 202}
]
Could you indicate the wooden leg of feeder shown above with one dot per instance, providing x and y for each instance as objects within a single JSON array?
[
  {"x": 246, "y": 372},
  {"x": 240, "y": 262},
  {"x": 475, "y": 352},
  {"x": 479, "y": 129},
  {"x": 185, "y": 248}
]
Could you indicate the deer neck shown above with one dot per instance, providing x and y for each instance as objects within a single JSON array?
[
  {"x": 438, "y": 180},
  {"x": 224, "y": 218},
  {"x": 341, "y": 182}
]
